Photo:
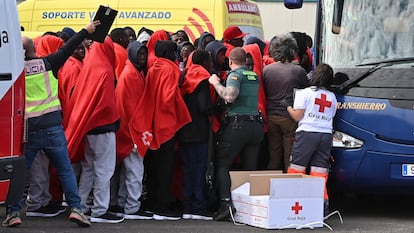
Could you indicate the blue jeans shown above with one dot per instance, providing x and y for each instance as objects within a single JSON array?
[
  {"x": 194, "y": 158},
  {"x": 52, "y": 141}
]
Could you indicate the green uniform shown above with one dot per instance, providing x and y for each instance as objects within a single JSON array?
[{"x": 248, "y": 84}]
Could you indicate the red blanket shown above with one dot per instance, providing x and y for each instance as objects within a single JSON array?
[
  {"x": 161, "y": 110},
  {"x": 254, "y": 50},
  {"x": 195, "y": 74},
  {"x": 93, "y": 100},
  {"x": 68, "y": 75},
  {"x": 121, "y": 56},
  {"x": 128, "y": 92},
  {"x": 156, "y": 36}
]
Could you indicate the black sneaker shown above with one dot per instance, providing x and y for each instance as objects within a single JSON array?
[
  {"x": 88, "y": 214},
  {"x": 224, "y": 213},
  {"x": 107, "y": 218},
  {"x": 61, "y": 208},
  {"x": 117, "y": 210},
  {"x": 139, "y": 215},
  {"x": 166, "y": 215},
  {"x": 48, "y": 211},
  {"x": 202, "y": 215}
]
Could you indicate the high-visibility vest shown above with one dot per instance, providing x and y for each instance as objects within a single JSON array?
[{"x": 41, "y": 89}]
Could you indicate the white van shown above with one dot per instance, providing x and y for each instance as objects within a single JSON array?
[{"x": 12, "y": 105}]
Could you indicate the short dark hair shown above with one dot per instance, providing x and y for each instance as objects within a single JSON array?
[
  {"x": 238, "y": 55},
  {"x": 117, "y": 33}
]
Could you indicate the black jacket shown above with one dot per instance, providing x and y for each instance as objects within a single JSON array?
[{"x": 200, "y": 107}]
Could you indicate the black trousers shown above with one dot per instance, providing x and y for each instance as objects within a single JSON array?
[
  {"x": 239, "y": 137},
  {"x": 159, "y": 167}
]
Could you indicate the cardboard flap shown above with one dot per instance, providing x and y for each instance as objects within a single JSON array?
[
  {"x": 260, "y": 183},
  {"x": 240, "y": 177},
  {"x": 306, "y": 186},
  {"x": 242, "y": 189}
]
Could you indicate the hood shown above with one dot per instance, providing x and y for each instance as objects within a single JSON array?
[
  {"x": 214, "y": 48},
  {"x": 202, "y": 40},
  {"x": 47, "y": 45},
  {"x": 166, "y": 49},
  {"x": 133, "y": 49}
]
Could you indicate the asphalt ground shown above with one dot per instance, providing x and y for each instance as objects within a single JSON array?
[{"x": 364, "y": 214}]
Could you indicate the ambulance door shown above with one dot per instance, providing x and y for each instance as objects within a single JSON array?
[{"x": 12, "y": 102}]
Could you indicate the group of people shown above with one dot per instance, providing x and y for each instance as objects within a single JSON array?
[{"x": 125, "y": 128}]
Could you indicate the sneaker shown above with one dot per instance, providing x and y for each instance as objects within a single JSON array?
[
  {"x": 88, "y": 214},
  {"x": 187, "y": 215},
  {"x": 12, "y": 220},
  {"x": 77, "y": 216},
  {"x": 202, "y": 216},
  {"x": 116, "y": 210},
  {"x": 139, "y": 215},
  {"x": 166, "y": 215},
  {"x": 48, "y": 211},
  {"x": 61, "y": 208},
  {"x": 224, "y": 213},
  {"x": 107, "y": 218},
  {"x": 64, "y": 203}
]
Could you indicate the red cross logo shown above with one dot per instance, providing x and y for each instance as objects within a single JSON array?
[
  {"x": 297, "y": 207},
  {"x": 146, "y": 138},
  {"x": 323, "y": 103}
]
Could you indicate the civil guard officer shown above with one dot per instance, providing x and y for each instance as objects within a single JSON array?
[{"x": 242, "y": 127}]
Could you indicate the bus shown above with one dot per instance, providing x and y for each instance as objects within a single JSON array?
[
  {"x": 12, "y": 105},
  {"x": 370, "y": 45}
]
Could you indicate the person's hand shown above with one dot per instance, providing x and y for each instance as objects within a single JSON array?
[
  {"x": 214, "y": 79},
  {"x": 286, "y": 102},
  {"x": 92, "y": 26}
]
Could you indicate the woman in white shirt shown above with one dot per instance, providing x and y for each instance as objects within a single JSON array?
[{"x": 314, "y": 108}]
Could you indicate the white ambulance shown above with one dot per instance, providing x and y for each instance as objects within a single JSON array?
[{"x": 12, "y": 104}]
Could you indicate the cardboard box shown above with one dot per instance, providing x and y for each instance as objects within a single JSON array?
[
  {"x": 240, "y": 197},
  {"x": 278, "y": 201}
]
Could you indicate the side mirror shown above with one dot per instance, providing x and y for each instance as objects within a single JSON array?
[
  {"x": 293, "y": 4},
  {"x": 337, "y": 16}
]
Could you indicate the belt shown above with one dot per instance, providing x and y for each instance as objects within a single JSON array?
[{"x": 245, "y": 118}]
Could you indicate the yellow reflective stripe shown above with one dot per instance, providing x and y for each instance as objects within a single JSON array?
[
  {"x": 40, "y": 113},
  {"x": 41, "y": 94}
]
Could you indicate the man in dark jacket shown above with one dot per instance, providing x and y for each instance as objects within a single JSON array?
[{"x": 194, "y": 137}]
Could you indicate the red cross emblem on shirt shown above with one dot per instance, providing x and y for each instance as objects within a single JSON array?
[
  {"x": 297, "y": 207},
  {"x": 323, "y": 103}
]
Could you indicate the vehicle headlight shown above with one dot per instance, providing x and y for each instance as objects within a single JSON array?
[{"x": 343, "y": 140}]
